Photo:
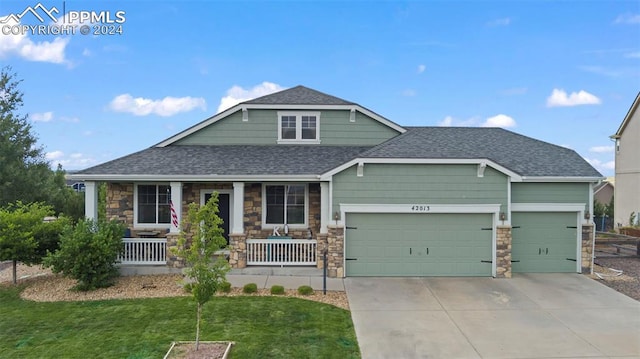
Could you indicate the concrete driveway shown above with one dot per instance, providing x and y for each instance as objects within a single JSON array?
[{"x": 528, "y": 316}]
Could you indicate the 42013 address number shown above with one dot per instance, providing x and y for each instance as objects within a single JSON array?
[{"x": 420, "y": 208}]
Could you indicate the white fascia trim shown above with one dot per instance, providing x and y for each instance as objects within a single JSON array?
[
  {"x": 561, "y": 179},
  {"x": 198, "y": 178},
  {"x": 448, "y": 161},
  {"x": 548, "y": 207},
  {"x": 407, "y": 208},
  {"x": 241, "y": 107}
]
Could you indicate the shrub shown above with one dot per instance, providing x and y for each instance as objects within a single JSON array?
[
  {"x": 225, "y": 287},
  {"x": 277, "y": 289},
  {"x": 305, "y": 290},
  {"x": 188, "y": 287},
  {"x": 250, "y": 288},
  {"x": 88, "y": 253}
]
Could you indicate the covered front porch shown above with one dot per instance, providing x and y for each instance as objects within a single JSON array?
[{"x": 274, "y": 224}]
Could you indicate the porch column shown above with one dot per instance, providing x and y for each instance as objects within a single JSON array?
[
  {"x": 324, "y": 207},
  {"x": 90, "y": 200},
  {"x": 176, "y": 201},
  {"x": 238, "y": 208}
]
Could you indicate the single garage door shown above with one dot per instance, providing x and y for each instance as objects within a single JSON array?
[
  {"x": 544, "y": 242},
  {"x": 385, "y": 244}
]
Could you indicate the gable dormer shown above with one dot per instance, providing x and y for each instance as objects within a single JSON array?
[{"x": 298, "y": 115}]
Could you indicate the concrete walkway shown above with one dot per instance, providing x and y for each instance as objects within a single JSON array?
[
  {"x": 264, "y": 277},
  {"x": 528, "y": 316}
]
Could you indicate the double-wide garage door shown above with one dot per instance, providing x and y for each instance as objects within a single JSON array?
[
  {"x": 390, "y": 244},
  {"x": 544, "y": 242}
]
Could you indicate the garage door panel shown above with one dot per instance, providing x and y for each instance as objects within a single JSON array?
[
  {"x": 418, "y": 244},
  {"x": 544, "y": 242}
]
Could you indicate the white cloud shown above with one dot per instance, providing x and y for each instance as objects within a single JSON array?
[
  {"x": 505, "y": 21},
  {"x": 446, "y": 122},
  {"x": 421, "y": 68},
  {"x": 237, "y": 94},
  {"x": 602, "y": 166},
  {"x": 602, "y": 149},
  {"x": 87, "y": 52},
  {"x": 165, "y": 107},
  {"x": 627, "y": 18},
  {"x": 559, "y": 98},
  {"x": 21, "y": 45},
  {"x": 53, "y": 155},
  {"x": 500, "y": 120},
  {"x": 495, "y": 121},
  {"x": 72, "y": 161},
  {"x": 42, "y": 117}
]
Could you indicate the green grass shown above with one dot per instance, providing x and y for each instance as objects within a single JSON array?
[{"x": 262, "y": 327}]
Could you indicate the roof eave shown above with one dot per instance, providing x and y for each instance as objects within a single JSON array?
[
  {"x": 194, "y": 178},
  {"x": 515, "y": 177},
  {"x": 586, "y": 179},
  {"x": 627, "y": 118}
]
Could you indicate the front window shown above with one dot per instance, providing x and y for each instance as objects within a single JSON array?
[
  {"x": 285, "y": 204},
  {"x": 298, "y": 127},
  {"x": 153, "y": 204},
  {"x": 309, "y": 127},
  {"x": 288, "y": 130}
]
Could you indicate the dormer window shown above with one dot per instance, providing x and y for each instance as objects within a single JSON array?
[{"x": 298, "y": 127}]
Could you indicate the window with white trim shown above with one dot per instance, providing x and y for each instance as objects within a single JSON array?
[
  {"x": 153, "y": 204},
  {"x": 298, "y": 127},
  {"x": 285, "y": 204}
]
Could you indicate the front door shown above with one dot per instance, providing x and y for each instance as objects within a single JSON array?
[{"x": 223, "y": 206}]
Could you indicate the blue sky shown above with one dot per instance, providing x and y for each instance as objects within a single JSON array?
[{"x": 562, "y": 72}]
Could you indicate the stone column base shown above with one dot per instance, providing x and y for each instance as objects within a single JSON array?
[
  {"x": 173, "y": 260},
  {"x": 322, "y": 245},
  {"x": 238, "y": 250},
  {"x": 503, "y": 251},
  {"x": 335, "y": 248},
  {"x": 587, "y": 248}
]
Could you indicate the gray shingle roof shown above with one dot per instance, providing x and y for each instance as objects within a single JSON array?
[
  {"x": 299, "y": 95},
  {"x": 523, "y": 155},
  {"x": 229, "y": 160}
]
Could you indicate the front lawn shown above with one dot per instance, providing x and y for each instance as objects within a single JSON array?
[{"x": 262, "y": 327}]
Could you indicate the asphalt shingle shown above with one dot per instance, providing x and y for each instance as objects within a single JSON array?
[
  {"x": 230, "y": 160},
  {"x": 523, "y": 155},
  {"x": 299, "y": 95}
]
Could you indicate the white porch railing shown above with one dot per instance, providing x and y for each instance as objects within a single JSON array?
[
  {"x": 144, "y": 251},
  {"x": 282, "y": 252}
]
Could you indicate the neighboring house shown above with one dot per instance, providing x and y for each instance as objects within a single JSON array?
[
  {"x": 603, "y": 192},
  {"x": 75, "y": 185},
  {"x": 627, "y": 188},
  {"x": 380, "y": 198}
]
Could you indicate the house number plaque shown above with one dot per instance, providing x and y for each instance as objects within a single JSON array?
[{"x": 420, "y": 208}]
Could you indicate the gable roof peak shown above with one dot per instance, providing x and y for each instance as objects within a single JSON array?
[{"x": 298, "y": 95}]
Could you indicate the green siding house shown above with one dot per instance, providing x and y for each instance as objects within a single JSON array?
[{"x": 301, "y": 173}]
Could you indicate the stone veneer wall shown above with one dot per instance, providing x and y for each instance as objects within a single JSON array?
[
  {"x": 253, "y": 213},
  {"x": 120, "y": 203},
  {"x": 503, "y": 251},
  {"x": 587, "y": 248}
]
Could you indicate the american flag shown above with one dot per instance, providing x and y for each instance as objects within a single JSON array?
[{"x": 174, "y": 215}]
